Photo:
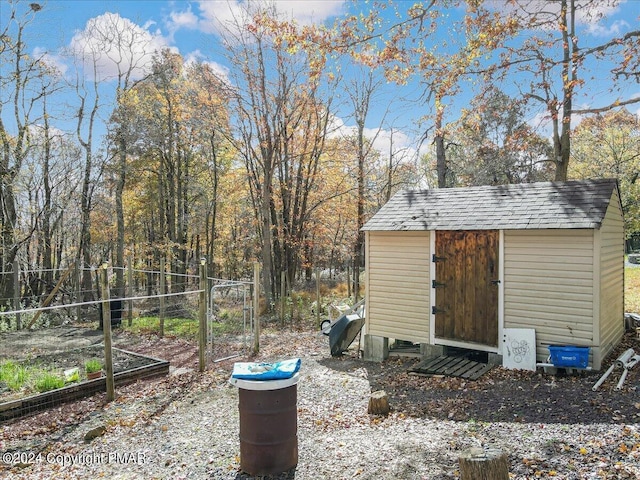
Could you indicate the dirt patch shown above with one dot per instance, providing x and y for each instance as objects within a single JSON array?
[{"x": 32, "y": 343}]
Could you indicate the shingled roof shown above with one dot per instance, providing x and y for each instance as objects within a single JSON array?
[{"x": 573, "y": 204}]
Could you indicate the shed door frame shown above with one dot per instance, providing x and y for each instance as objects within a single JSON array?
[{"x": 432, "y": 301}]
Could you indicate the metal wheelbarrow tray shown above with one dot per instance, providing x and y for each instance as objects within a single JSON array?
[{"x": 344, "y": 331}]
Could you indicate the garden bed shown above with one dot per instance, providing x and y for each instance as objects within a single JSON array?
[{"x": 128, "y": 367}]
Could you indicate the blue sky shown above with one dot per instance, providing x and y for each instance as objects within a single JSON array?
[{"x": 191, "y": 28}]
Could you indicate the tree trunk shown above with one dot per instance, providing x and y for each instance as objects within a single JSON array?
[
  {"x": 379, "y": 403},
  {"x": 441, "y": 155},
  {"x": 120, "y": 181},
  {"x": 211, "y": 230},
  {"x": 83, "y": 258},
  {"x": 562, "y": 144},
  {"x": 483, "y": 464},
  {"x": 47, "y": 252},
  {"x": 266, "y": 238},
  {"x": 357, "y": 254}
]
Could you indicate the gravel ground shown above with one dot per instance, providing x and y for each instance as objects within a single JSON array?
[{"x": 186, "y": 426}]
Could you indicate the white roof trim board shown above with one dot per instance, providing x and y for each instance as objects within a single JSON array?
[{"x": 573, "y": 204}]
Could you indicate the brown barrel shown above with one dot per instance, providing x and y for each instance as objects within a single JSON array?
[{"x": 268, "y": 430}]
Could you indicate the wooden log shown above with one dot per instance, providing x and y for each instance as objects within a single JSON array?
[
  {"x": 483, "y": 464},
  {"x": 379, "y": 403}
]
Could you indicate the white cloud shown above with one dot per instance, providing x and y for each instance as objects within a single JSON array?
[
  {"x": 220, "y": 71},
  {"x": 403, "y": 145},
  {"x": 186, "y": 19},
  {"x": 310, "y": 11},
  {"x": 218, "y": 16},
  {"x": 53, "y": 62},
  {"x": 541, "y": 122},
  {"x": 593, "y": 14},
  {"x": 116, "y": 45},
  {"x": 616, "y": 29}
]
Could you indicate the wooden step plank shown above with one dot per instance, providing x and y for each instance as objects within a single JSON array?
[
  {"x": 463, "y": 368},
  {"x": 451, "y": 366},
  {"x": 433, "y": 364},
  {"x": 472, "y": 371},
  {"x": 446, "y": 365},
  {"x": 427, "y": 363},
  {"x": 455, "y": 365},
  {"x": 478, "y": 371}
]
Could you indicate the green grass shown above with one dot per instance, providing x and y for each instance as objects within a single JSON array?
[
  {"x": 173, "y": 327},
  {"x": 93, "y": 365},
  {"x": 632, "y": 289},
  {"x": 13, "y": 375},
  {"x": 48, "y": 381},
  {"x": 29, "y": 377},
  {"x": 180, "y": 327}
]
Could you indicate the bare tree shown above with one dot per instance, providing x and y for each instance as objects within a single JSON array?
[
  {"x": 20, "y": 84},
  {"x": 361, "y": 92},
  {"x": 125, "y": 56},
  {"x": 87, "y": 90},
  {"x": 281, "y": 123},
  {"x": 548, "y": 57}
]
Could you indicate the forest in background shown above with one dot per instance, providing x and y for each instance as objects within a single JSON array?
[{"x": 253, "y": 167}]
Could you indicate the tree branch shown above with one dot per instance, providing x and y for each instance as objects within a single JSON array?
[{"x": 615, "y": 104}]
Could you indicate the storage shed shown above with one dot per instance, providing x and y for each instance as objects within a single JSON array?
[{"x": 455, "y": 267}]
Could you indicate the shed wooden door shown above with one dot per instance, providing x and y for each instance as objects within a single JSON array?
[{"x": 466, "y": 286}]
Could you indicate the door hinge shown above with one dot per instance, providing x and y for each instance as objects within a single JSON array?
[
  {"x": 495, "y": 282},
  {"x": 436, "y": 310},
  {"x": 436, "y": 258},
  {"x": 436, "y": 284}
]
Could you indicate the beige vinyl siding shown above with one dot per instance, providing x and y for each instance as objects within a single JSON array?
[
  {"x": 398, "y": 285},
  {"x": 611, "y": 309},
  {"x": 548, "y": 285}
]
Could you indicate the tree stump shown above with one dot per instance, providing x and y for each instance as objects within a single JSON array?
[
  {"x": 483, "y": 464},
  {"x": 379, "y": 403}
]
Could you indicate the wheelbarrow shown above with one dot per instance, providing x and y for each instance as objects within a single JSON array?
[{"x": 343, "y": 331}]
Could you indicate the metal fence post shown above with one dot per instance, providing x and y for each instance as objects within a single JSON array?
[
  {"x": 283, "y": 286},
  {"x": 202, "y": 315},
  {"x": 256, "y": 307},
  {"x": 163, "y": 280},
  {"x": 79, "y": 296},
  {"x": 130, "y": 289},
  {"x": 106, "y": 326},
  {"x": 16, "y": 293},
  {"x": 318, "y": 296}
]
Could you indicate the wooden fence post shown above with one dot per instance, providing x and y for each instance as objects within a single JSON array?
[
  {"x": 106, "y": 327},
  {"x": 16, "y": 294},
  {"x": 283, "y": 287},
  {"x": 162, "y": 293},
  {"x": 256, "y": 307},
  {"x": 318, "y": 305},
  {"x": 202, "y": 316},
  {"x": 79, "y": 296},
  {"x": 130, "y": 289}
]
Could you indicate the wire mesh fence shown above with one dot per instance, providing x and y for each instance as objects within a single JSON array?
[
  {"x": 45, "y": 349},
  {"x": 47, "y": 342}
]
